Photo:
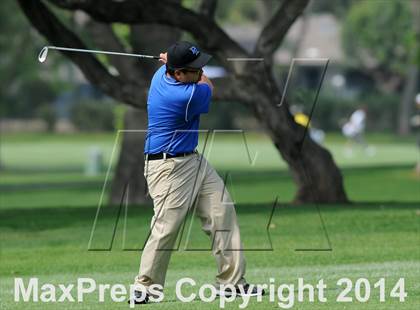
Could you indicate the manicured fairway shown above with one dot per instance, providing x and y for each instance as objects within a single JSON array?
[
  {"x": 48, "y": 207},
  {"x": 366, "y": 241},
  {"x": 47, "y": 170}
]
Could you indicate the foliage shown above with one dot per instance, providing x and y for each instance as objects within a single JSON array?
[
  {"x": 240, "y": 11},
  {"x": 48, "y": 114},
  {"x": 331, "y": 112},
  {"x": 21, "y": 97},
  {"x": 380, "y": 34},
  {"x": 93, "y": 115},
  {"x": 337, "y": 8},
  {"x": 26, "y": 85}
]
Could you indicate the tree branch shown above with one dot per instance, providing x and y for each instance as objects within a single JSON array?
[
  {"x": 225, "y": 89},
  {"x": 104, "y": 37},
  {"x": 58, "y": 34},
  {"x": 152, "y": 39},
  {"x": 206, "y": 32},
  {"x": 208, "y": 8},
  {"x": 275, "y": 30}
]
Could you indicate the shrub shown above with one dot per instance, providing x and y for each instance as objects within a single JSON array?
[
  {"x": 48, "y": 114},
  {"x": 93, "y": 115}
]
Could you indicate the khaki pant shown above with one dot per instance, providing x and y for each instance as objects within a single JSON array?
[{"x": 176, "y": 186}]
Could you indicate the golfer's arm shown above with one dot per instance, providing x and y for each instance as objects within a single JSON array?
[{"x": 205, "y": 80}]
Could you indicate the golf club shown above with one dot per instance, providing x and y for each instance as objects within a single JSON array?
[{"x": 44, "y": 52}]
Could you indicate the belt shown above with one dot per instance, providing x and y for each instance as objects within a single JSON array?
[{"x": 166, "y": 155}]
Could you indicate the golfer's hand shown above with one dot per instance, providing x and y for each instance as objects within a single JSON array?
[
  {"x": 204, "y": 79},
  {"x": 163, "y": 57}
]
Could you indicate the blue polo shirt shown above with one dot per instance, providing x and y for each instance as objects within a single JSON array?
[{"x": 173, "y": 110}]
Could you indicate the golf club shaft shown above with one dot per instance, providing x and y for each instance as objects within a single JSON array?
[{"x": 101, "y": 52}]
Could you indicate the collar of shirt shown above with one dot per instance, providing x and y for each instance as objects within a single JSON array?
[{"x": 170, "y": 79}]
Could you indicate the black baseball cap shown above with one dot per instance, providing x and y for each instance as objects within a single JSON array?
[{"x": 186, "y": 55}]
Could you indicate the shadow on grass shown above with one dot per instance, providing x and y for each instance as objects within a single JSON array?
[
  {"x": 39, "y": 219},
  {"x": 241, "y": 176}
]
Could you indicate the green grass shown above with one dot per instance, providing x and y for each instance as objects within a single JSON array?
[
  {"x": 367, "y": 241},
  {"x": 226, "y": 151},
  {"x": 48, "y": 205},
  {"x": 386, "y": 184},
  {"x": 47, "y": 170},
  {"x": 19, "y": 179}
]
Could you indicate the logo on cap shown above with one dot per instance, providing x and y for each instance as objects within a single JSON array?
[{"x": 194, "y": 50}]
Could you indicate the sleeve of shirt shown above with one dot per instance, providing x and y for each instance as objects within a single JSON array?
[{"x": 199, "y": 101}]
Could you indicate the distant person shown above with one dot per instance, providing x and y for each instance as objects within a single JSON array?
[
  {"x": 415, "y": 123},
  {"x": 354, "y": 131},
  {"x": 302, "y": 119}
]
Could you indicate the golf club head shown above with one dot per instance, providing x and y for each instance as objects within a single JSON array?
[{"x": 43, "y": 54}]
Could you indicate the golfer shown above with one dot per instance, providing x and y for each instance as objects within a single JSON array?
[{"x": 180, "y": 179}]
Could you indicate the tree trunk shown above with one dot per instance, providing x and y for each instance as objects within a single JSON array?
[
  {"x": 410, "y": 87},
  {"x": 128, "y": 178},
  {"x": 315, "y": 173},
  {"x": 407, "y": 101}
]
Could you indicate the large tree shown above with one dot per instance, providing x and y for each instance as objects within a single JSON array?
[{"x": 317, "y": 177}]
